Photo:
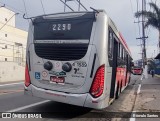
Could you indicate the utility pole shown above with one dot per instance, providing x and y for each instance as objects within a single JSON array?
[
  {"x": 143, "y": 35},
  {"x": 144, "y": 41},
  {"x": 143, "y": 38}
]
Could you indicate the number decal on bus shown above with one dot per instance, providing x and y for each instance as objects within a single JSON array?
[
  {"x": 64, "y": 27},
  {"x": 54, "y": 27},
  {"x": 61, "y": 27},
  {"x": 80, "y": 64}
]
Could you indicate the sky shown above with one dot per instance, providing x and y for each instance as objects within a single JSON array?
[{"x": 120, "y": 11}]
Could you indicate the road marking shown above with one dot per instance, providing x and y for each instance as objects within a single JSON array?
[
  {"x": 28, "y": 106},
  {"x": 142, "y": 77},
  {"x": 11, "y": 84},
  {"x": 139, "y": 89}
]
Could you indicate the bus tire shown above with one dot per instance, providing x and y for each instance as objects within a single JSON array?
[
  {"x": 117, "y": 92},
  {"x": 129, "y": 80}
]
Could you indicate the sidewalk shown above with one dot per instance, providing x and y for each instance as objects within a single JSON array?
[
  {"x": 157, "y": 75},
  {"x": 148, "y": 100}
]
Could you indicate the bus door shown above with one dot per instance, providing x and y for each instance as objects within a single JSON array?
[{"x": 114, "y": 68}]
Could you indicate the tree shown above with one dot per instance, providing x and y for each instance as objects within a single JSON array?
[
  {"x": 153, "y": 17},
  {"x": 151, "y": 64}
]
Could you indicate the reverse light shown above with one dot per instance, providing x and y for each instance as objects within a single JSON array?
[
  {"x": 98, "y": 83},
  {"x": 27, "y": 77}
]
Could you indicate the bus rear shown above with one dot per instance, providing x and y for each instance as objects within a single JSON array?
[
  {"x": 137, "y": 70},
  {"x": 61, "y": 60}
]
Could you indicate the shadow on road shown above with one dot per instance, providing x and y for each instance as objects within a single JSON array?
[
  {"x": 65, "y": 111},
  {"x": 59, "y": 110}
]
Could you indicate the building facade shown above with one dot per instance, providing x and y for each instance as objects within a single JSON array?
[{"x": 12, "y": 40}]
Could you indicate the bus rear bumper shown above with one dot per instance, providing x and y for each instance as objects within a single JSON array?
[{"x": 84, "y": 100}]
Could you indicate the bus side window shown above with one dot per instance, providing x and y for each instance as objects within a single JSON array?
[
  {"x": 125, "y": 56},
  {"x": 130, "y": 64},
  {"x": 129, "y": 67},
  {"x": 121, "y": 52},
  {"x": 110, "y": 44},
  {"x": 127, "y": 60}
]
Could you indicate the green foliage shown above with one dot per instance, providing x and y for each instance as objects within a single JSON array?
[
  {"x": 151, "y": 64},
  {"x": 153, "y": 17}
]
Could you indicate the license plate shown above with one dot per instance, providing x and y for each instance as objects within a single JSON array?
[{"x": 57, "y": 79}]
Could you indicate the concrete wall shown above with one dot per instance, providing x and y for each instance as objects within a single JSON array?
[
  {"x": 10, "y": 71},
  {"x": 12, "y": 46},
  {"x": 12, "y": 40},
  {"x": 7, "y": 15}
]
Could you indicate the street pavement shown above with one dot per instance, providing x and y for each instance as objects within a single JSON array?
[
  {"x": 149, "y": 97},
  {"x": 148, "y": 100},
  {"x": 12, "y": 98}
]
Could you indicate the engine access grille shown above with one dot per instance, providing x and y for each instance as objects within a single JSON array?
[{"x": 61, "y": 52}]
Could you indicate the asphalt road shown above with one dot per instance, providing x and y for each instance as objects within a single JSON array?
[{"x": 12, "y": 99}]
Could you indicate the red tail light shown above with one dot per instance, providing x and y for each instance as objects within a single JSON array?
[
  {"x": 27, "y": 77},
  {"x": 98, "y": 83}
]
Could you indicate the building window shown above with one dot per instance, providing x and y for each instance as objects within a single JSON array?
[
  {"x": 18, "y": 54},
  {"x": 123, "y": 54},
  {"x": 5, "y": 59},
  {"x": 5, "y": 35},
  {"x": 119, "y": 48},
  {"x": 120, "y": 51},
  {"x": 6, "y": 19}
]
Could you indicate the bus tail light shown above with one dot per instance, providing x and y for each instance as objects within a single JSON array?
[
  {"x": 27, "y": 77},
  {"x": 98, "y": 83}
]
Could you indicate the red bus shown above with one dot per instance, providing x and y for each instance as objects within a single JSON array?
[{"x": 137, "y": 70}]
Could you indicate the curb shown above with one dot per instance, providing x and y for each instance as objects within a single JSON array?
[{"x": 157, "y": 75}]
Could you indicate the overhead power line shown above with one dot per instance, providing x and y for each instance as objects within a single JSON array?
[
  {"x": 80, "y": 4},
  {"x": 25, "y": 8},
  {"x": 9, "y": 20},
  {"x": 76, "y": 1},
  {"x": 66, "y": 5},
  {"x": 26, "y": 14},
  {"x": 43, "y": 7}
]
